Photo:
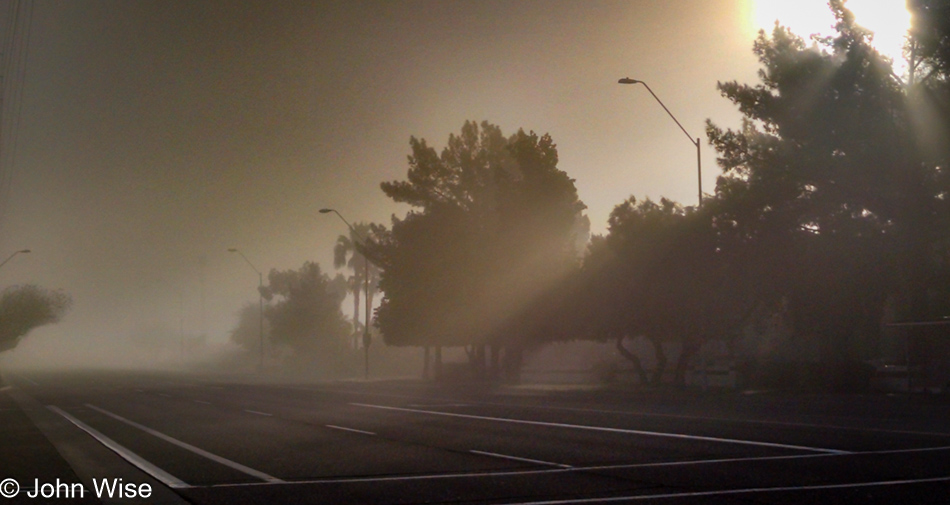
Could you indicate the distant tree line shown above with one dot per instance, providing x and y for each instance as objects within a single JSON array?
[{"x": 831, "y": 209}]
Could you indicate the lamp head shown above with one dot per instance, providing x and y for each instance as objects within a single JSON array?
[
  {"x": 24, "y": 251},
  {"x": 627, "y": 80},
  {"x": 326, "y": 211},
  {"x": 232, "y": 249}
]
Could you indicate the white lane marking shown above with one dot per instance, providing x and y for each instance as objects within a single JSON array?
[
  {"x": 638, "y": 413},
  {"x": 159, "y": 474},
  {"x": 431, "y": 405},
  {"x": 726, "y": 420},
  {"x": 139, "y": 391},
  {"x": 184, "y": 445},
  {"x": 697, "y": 494},
  {"x": 258, "y": 412},
  {"x": 609, "y": 430},
  {"x": 598, "y": 468},
  {"x": 902, "y": 451},
  {"x": 202, "y": 402},
  {"x": 350, "y": 429},
  {"x": 5, "y": 388},
  {"x": 514, "y": 473},
  {"x": 516, "y": 458}
]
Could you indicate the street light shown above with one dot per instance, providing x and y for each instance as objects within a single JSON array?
[
  {"x": 366, "y": 337},
  {"x": 10, "y": 257},
  {"x": 260, "y": 293},
  {"x": 699, "y": 164}
]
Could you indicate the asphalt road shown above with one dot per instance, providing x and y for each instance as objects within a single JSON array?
[{"x": 227, "y": 440}]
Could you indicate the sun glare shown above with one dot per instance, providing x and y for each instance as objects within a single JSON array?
[{"x": 888, "y": 19}]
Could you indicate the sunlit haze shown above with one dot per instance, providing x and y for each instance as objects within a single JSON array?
[
  {"x": 154, "y": 136},
  {"x": 888, "y": 19}
]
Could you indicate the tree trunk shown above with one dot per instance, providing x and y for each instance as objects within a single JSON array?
[{"x": 637, "y": 365}]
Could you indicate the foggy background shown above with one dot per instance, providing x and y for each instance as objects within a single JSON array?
[{"x": 152, "y": 136}]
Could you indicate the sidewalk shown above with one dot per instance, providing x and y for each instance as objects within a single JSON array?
[{"x": 27, "y": 455}]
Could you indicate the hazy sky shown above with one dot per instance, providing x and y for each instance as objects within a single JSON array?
[{"x": 154, "y": 135}]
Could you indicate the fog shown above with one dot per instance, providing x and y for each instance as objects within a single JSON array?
[{"x": 143, "y": 139}]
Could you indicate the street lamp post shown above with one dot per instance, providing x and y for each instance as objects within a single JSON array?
[
  {"x": 366, "y": 337},
  {"x": 699, "y": 169},
  {"x": 699, "y": 164},
  {"x": 10, "y": 257},
  {"x": 260, "y": 293}
]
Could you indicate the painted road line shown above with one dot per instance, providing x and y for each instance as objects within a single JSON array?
[
  {"x": 638, "y": 413},
  {"x": 184, "y": 445},
  {"x": 147, "y": 467},
  {"x": 516, "y": 473},
  {"x": 727, "y": 492},
  {"x": 597, "y": 468},
  {"x": 516, "y": 458},
  {"x": 439, "y": 405},
  {"x": 349, "y": 429},
  {"x": 202, "y": 402},
  {"x": 609, "y": 430},
  {"x": 258, "y": 412}
]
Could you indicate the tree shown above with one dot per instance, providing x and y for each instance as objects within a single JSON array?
[
  {"x": 304, "y": 311},
  {"x": 823, "y": 187},
  {"x": 24, "y": 308},
  {"x": 928, "y": 53},
  {"x": 494, "y": 224},
  {"x": 348, "y": 252},
  {"x": 665, "y": 273}
]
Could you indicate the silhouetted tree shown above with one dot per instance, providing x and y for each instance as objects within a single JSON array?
[
  {"x": 928, "y": 53},
  {"x": 304, "y": 311},
  {"x": 823, "y": 186},
  {"x": 494, "y": 224},
  {"x": 23, "y": 308},
  {"x": 665, "y": 273}
]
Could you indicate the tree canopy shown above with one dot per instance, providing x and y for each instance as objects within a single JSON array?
[
  {"x": 304, "y": 310},
  {"x": 828, "y": 207},
  {"x": 494, "y": 224},
  {"x": 24, "y": 308},
  {"x": 826, "y": 163}
]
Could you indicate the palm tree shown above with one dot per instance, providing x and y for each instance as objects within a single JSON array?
[{"x": 346, "y": 253}]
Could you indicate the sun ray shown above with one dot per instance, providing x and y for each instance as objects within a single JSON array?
[{"x": 889, "y": 21}]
